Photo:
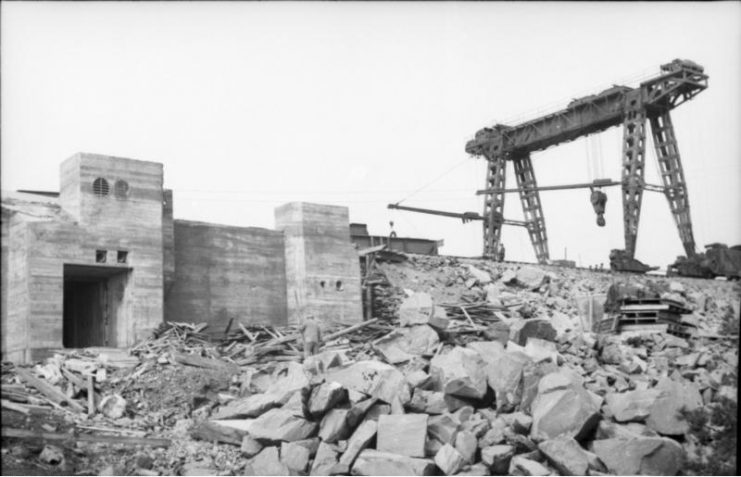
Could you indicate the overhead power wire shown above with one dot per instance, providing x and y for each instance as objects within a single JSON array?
[{"x": 448, "y": 171}]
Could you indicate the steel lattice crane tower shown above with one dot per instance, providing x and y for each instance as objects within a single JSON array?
[{"x": 679, "y": 81}]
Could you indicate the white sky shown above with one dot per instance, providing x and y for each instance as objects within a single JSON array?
[{"x": 251, "y": 105}]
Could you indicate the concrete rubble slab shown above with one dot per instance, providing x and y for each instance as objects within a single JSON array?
[
  {"x": 268, "y": 462},
  {"x": 664, "y": 416},
  {"x": 461, "y": 373},
  {"x": 359, "y": 440},
  {"x": 498, "y": 457},
  {"x": 416, "y": 309},
  {"x": 402, "y": 434},
  {"x": 372, "y": 378},
  {"x": 325, "y": 397},
  {"x": 640, "y": 455},
  {"x": 566, "y": 455},
  {"x": 373, "y": 462},
  {"x": 334, "y": 426},
  {"x": 562, "y": 406},
  {"x": 281, "y": 425},
  {"x": 294, "y": 456},
  {"x": 449, "y": 460},
  {"x": 327, "y": 456}
]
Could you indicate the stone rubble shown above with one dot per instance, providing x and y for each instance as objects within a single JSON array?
[{"x": 489, "y": 369}]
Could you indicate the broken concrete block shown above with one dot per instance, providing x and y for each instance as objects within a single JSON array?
[
  {"x": 294, "y": 456},
  {"x": 498, "y": 331},
  {"x": 443, "y": 428},
  {"x": 325, "y": 397},
  {"x": 449, "y": 460},
  {"x": 520, "y": 465},
  {"x": 562, "y": 406},
  {"x": 498, "y": 457},
  {"x": 250, "y": 446},
  {"x": 509, "y": 277},
  {"x": 467, "y": 445},
  {"x": 434, "y": 402},
  {"x": 495, "y": 434},
  {"x": 640, "y": 455},
  {"x": 267, "y": 462},
  {"x": 372, "y": 462},
  {"x": 531, "y": 376},
  {"x": 113, "y": 406},
  {"x": 51, "y": 455},
  {"x": 372, "y": 378},
  {"x": 521, "y": 423},
  {"x": 358, "y": 411},
  {"x": 251, "y": 406},
  {"x": 478, "y": 469},
  {"x": 566, "y": 455},
  {"x": 415, "y": 310},
  {"x": 461, "y": 372},
  {"x": 376, "y": 410},
  {"x": 482, "y": 277},
  {"x": 359, "y": 440},
  {"x": 505, "y": 378},
  {"x": 631, "y": 405},
  {"x": 664, "y": 416},
  {"x": 417, "y": 379},
  {"x": 326, "y": 458},
  {"x": 421, "y": 340},
  {"x": 281, "y": 425},
  {"x": 522, "y": 329},
  {"x": 393, "y": 347},
  {"x": 439, "y": 319},
  {"x": 540, "y": 350},
  {"x": 531, "y": 278},
  {"x": 334, "y": 426},
  {"x": 402, "y": 434}
]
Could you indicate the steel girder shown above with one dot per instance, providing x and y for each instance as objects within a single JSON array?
[
  {"x": 496, "y": 176},
  {"x": 634, "y": 155},
  {"x": 530, "y": 198},
  {"x": 672, "y": 174}
]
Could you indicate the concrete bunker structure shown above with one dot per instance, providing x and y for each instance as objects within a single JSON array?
[{"x": 103, "y": 263}]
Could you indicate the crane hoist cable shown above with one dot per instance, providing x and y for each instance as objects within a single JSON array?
[{"x": 448, "y": 171}]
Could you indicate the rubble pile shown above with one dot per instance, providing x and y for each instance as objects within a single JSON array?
[{"x": 484, "y": 369}]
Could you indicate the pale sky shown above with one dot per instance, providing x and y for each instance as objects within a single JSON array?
[{"x": 251, "y": 105}]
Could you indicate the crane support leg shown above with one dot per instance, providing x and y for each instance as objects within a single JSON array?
[
  {"x": 530, "y": 198},
  {"x": 634, "y": 154},
  {"x": 494, "y": 204},
  {"x": 675, "y": 187}
]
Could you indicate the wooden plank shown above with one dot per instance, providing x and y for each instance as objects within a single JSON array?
[
  {"x": 51, "y": 392},
  {"x": 201, "y": 362},
  {"x": 15, "y": 407},
  {"x": 54, "y": 436}
]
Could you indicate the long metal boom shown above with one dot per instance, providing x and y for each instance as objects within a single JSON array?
[
  {"x": 585, "y": 185},
  {"x": 465, "y": 216},
  {"x": 678, "y": 82}
]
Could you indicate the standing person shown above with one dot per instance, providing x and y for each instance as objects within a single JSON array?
[{"x": 311, "y": 333}]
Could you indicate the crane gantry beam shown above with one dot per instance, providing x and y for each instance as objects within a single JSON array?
[{"x": 678, "y": 82}]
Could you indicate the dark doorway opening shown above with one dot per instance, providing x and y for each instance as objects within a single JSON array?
[{"x": 94, "y": 299}]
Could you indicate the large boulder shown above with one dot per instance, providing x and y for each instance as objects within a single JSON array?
[
  {"x": 281, "y": 425},
  {"x": 566, "y": 455},
  {"x": 531, "y": 376},
  {"x": 640, "y": 455},
  {"x": 563, "y": 406},
  {"x": 665, "y": 416},
  {"x": 505, "y": 378},
  {"x": 531, "y": 278},
  {"x": 268, "y": 462},
  {"x": 373, "y": 462},
  {"x": 632, "y": 405},
  {"x": 325, "y": 397},
  {"x": 294, "y": 456},
  {"x": 449, "y": 460},
  {"x": 373, "y": 378},
  {"x": 334, "y": 426},
  {"x": 461, "y": 372},
  {"x": 359, "y": 441},
  {"x": 416, "y": 310},
  {"x": 482, "y": 277},
  {"x": 326, "y": 458},
  {"x": 402, "y": 434},
  {"x": 520, "y": 330}
]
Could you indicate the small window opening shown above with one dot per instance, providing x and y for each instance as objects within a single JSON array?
[
  {"x": 101, "y": 187},
  {"x": 121, "y": 189},
  {"x": 122, "y": 256},
  {"x": 100, "y": 256},
  {"x": 338, "y": 285},
  {"x": 322, "y": 283}
]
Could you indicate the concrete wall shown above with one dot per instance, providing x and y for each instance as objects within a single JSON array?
[
  {"x": 168, "y": 240},
  {"x": 322, "y": 266},
  {"x": 15, "y": 289},
  {"x": 224, "y": 272}
]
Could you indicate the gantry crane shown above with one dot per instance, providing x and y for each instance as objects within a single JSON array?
[{"x": 679, "y": 81}]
